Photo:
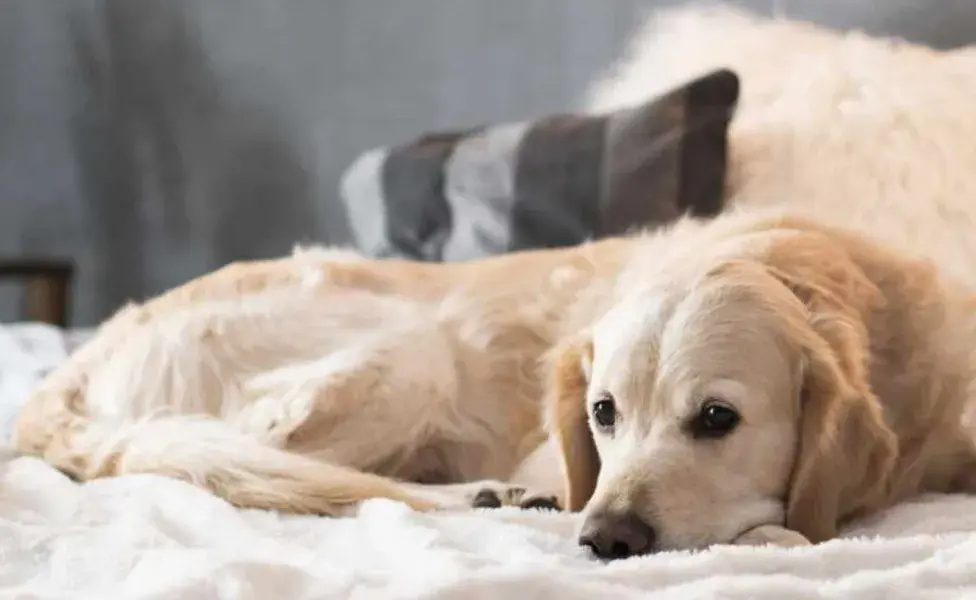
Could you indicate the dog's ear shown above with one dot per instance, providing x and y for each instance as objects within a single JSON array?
[
  {"x": 846, "y": 451},
  {"x": 569, "y": 423}
]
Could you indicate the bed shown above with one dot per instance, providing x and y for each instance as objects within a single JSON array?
[{"x": 151, "y": 537}]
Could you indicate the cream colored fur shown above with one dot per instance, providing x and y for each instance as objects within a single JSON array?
[
  {"x": 868, "y": 133},
  {"x": 850, "y": 365},
  {"x": 316, "y": 381}
]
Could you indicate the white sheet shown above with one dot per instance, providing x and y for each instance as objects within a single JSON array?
[{"x": 149, "y": 537}]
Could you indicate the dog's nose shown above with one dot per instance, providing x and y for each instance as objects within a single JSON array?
[{"x": 611, "y": 536}]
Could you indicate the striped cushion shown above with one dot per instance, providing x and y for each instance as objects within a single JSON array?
[{"x": 550, "y": 182}]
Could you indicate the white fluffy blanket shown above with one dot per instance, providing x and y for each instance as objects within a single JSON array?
[{"x": 149, "y": 537}]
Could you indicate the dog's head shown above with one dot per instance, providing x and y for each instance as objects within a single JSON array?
[{"x": 698, "y": 409}]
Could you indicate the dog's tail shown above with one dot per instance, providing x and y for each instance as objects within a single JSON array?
[{"x": 201, "y": 450}]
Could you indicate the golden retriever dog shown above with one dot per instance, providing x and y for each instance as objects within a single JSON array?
[
  {"x": 751, "y": 379},
  {"x": 763, "y": 377}
]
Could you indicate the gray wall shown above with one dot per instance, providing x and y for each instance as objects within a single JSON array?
[{"x": 153, "y": 140}]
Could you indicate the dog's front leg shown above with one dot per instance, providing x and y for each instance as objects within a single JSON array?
[
  {"x": 771, "y": 534},
  {"x": 483, "y": 494}
]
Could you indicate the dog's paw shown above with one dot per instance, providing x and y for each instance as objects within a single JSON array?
[
  {"x": 771, "y": 535},
  {"x": 499, "y": 495}
]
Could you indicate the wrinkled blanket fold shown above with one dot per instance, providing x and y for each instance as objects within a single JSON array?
[{"x": 145, "y": 537}]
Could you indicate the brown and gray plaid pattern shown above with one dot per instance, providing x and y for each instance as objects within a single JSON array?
[{"x": 551, "y": 182}]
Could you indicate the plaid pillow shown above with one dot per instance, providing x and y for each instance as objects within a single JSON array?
[{"x": 556, "y": 181}]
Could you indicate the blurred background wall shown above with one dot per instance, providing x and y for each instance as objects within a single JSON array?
[{"x": 152, "y": 140}]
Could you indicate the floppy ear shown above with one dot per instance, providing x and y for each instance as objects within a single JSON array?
[
  {"x": 846, "y": 450},
  {"x": 569, "y": 424}
]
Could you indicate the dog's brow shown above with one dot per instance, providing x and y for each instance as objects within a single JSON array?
[
  {"x": 641, "y": 372},
  {"x": 629, "y": 361}
]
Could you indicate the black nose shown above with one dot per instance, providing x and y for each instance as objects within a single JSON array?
[{"x": 611, "y": 536}]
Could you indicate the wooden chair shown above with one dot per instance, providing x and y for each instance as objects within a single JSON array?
[{"x": 47, "y": 287}]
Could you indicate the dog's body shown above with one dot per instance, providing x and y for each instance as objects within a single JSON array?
[
  {"x": 415, "y": 371},
  {"x": 845, "y": 356}
]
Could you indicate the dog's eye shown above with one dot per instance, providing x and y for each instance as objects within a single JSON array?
[
  {"x": 716, "y": 419},
  {"x": 605, "y": 411}
]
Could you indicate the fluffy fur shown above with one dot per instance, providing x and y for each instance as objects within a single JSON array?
[
  {"x": 282, "y": 384},
  {"x": 849, "y": 364},
  {"x": 867, "y": 133},
  {"x": 313, "y": 382}
]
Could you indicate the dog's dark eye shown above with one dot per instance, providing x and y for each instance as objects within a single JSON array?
[
  {"x": 605, "y": 411},
  {"x": 716, "y": 419}
]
